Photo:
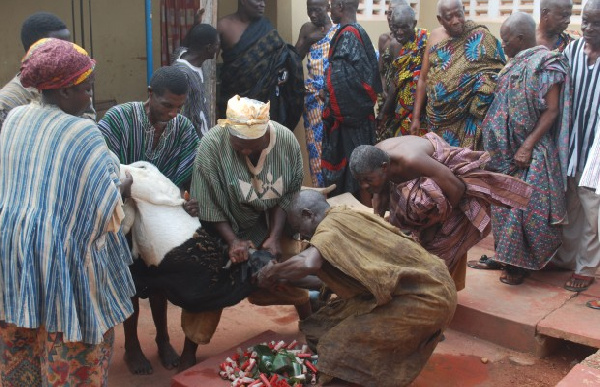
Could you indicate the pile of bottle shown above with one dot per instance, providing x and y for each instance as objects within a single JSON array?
[{"x": 274, "y": 364}]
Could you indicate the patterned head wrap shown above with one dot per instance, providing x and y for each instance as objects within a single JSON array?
[
  {"x": 55, "y": 64},
  {"x": 247, "y": 118}
]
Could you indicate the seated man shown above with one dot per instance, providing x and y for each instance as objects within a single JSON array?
[
  {"x": 438, "y": 192},
  {"x": 389, "y": 289},
  {"x": 247, "y": 170}
]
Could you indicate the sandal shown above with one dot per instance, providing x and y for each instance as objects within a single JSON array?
[
  {"x": 594, "y": 304},
  {"x": 579, "y": 283},
  {"x": 512, "y": 275},
  {"x": 484, "y": 263}
]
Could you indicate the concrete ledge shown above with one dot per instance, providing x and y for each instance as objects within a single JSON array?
[{"x": 581, "y": 375}]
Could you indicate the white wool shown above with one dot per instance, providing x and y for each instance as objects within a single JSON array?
[{"x": 160, "y": 223}]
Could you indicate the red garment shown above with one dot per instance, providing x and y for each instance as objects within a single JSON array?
[
  {"x": 420, "y": 203},
  {"x": 176, "y": 19}
]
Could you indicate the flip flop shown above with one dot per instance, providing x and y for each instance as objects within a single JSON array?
[
  {"x": 594, "y": 304},
  {"x": 484, "y": 263},
  {"x": 584, "y": 279}
]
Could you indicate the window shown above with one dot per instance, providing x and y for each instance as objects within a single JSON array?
[{"x": 375, "y": 9}]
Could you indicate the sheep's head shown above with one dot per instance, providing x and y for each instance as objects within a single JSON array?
[{"x": 151, "y": 186}]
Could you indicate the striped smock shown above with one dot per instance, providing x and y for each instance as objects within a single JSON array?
[
  {"x": 60, "y": 267},
  {"x": 129, "y": 133},
  {"x": 231, "y": 189}
]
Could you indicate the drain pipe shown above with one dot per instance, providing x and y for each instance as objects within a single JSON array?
[{"x": 149, "y": 56}]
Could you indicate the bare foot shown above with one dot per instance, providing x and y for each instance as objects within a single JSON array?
[
  {"x": 187, "y": 360},
  {"x": 137, "y": 363},
  {"x": 168, "y": 357}
]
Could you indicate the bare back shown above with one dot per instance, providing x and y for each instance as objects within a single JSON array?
[{"x": 404, "y": 152}]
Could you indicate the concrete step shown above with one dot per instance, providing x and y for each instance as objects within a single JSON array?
[{"x": 527, "y": 317}]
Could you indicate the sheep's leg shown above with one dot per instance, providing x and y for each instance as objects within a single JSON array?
[
  {"x": 188, "y": 355},
  {"x": 166, "y": 352},
  {"x": 137, "y": 363}
]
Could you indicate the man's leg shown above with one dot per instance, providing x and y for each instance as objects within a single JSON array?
[
  {"x": 75, "y": 363},
  {"x": 19, "y": 356},
  {"x": 588, "y": 259},
  {"x": 166, "y": 352},
  {"x": 567, "y": 254},
  {"x": 199, "y": 329},
  {"x": 134, "y": 357}
]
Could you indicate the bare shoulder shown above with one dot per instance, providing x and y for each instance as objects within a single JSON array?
[
  {"x": 436, "y": 36},
  {"x": 406, "y": 147},
  {"x": 384, "y": 41},
  {"x": 224, "y": 23}
]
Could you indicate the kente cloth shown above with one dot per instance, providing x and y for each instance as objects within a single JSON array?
[
  {"x": 564, "y": 39},
  {"x": 252, "y": 69},
  {"x": 193, "y": 277},
  {"x": 394, "y": 300},
  {"x": 460, "y": 85},
  {"x": 420, "y": 203},
  {"x": 35, "y": 357},
  {"x": 55, "y": 64},
  {"x": 232, "y": 189},
  {"x": 196, "y": 106},
  {"x": 317, "y": 63},
  {"x": 408, "y": 71},
  {"x": 388, "y": 74},
  {"x": 530, "y": 237},
  {"x": 61, "y": 267},
  {"x": 129, "y": 134},
  {"x": 352, "y": 85}
]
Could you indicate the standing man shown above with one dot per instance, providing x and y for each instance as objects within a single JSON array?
[
  {"x": 440, "y": 193},
  {"x": 555, "y": 16},
  {"x": 247, "y": 170},
  {"x": 258, "y": 64},
  {"x": 458, "y": 77},
  {"x": 63, "y": 258},
  {"x": 202, "y": 44},
  {"x": 315, "y": 37},
  {"x": 526, "y": 132},
  {"x": 580, "y": 250},
  {"x": 153, "y": 131},
  {"x": 352, "y": 85},
  {"x": 35, "y": 27},
  {"x": 407, "y": 70}
]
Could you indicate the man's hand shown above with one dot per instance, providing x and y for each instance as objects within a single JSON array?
[
  {"x": 199, "y": 15},
  {"x": 523, "y": 156},
  {"x": 191, "y": 207},
  {"x": 380, "y": 203},
  {"x": 238, "y": 250},
  {"x": 272, "y": 245},
  {"x": 125, "y": 187},
  {"x": 264, "y": 277},
  {"x": 415, "y": 126}
]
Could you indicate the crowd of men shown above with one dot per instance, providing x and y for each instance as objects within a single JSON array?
[{"x": 447, "y": 134}]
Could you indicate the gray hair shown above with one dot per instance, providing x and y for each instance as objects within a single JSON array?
[
  {"x": 443, "y": 3},
  {"x": 366, "y": 159}
]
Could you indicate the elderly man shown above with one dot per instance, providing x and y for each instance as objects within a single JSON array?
[
  {"x": 247, "y": 170},
  {"x": 394, "y": 299},
  {"x": 526, "y": 132},
  {"x": 63, "y": 259},
  {"x": 315, "y": 37},
  {"x": 397, "y": 111},
  {"x": 440, "y": 193},
  {"x": 153, "y": 131},
  {"x": 352, "y": 86},
  {"x": 202, "y": 44},
  {"x": 35, "y": 27},
  {"x": 555, "y": 16},
  {"x": 581, "y": 247},
  {"x": 258, "y": 64},
  {"x": 387, "y": 46},
  {"x": 458, "y": 77}
]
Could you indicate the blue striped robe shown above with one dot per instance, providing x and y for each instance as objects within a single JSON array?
[{"x": 59, "y": 267}]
